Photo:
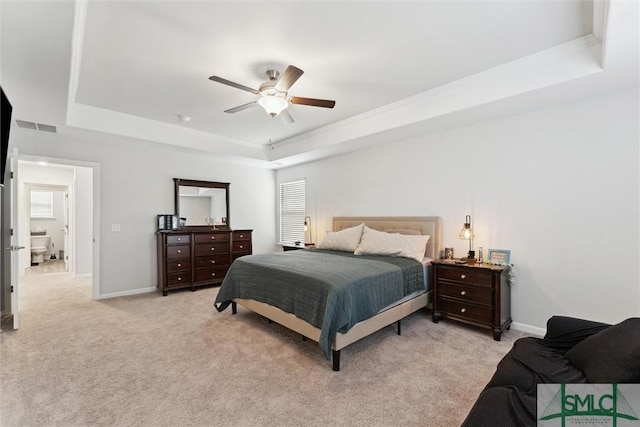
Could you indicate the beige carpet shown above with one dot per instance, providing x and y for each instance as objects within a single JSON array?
[{"x": 149, "y": 360}]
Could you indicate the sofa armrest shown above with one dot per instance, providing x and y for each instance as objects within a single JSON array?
[{"x": 565, "y": 332}]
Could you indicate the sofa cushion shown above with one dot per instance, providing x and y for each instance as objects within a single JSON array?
[
  {"x": 531, "y": 362},
  {"x": 610, "y": 356}
]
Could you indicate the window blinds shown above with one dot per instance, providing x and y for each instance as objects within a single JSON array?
[
  {"x": 41, "y": 204},
  {"x": 292, "y": 212}
]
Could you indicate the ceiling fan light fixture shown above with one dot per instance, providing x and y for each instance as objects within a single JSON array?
[{"x": 273, "y": 104}]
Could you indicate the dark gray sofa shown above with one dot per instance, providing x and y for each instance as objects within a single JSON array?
[{"x": 573, "y": 351}]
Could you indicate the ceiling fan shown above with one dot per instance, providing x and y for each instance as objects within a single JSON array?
[{"x": 274, "y": 96}]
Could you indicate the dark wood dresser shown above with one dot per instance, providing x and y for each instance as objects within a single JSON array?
[
  {"x": 188, "y": 259},
  {"x": 477, "y": 294}
]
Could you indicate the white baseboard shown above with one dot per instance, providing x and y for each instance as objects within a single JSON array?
[
  {"x": 82, "y": 276},
  {"x": 529, "y": 329},
  {"x": 127, "y": 293}
]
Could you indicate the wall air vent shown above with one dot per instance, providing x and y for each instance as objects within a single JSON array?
[
  {"x": 26, "y": 125},
  {"x": 36, "y": 126}
]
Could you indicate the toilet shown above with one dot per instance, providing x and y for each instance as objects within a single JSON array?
[{"x": 39, "y": 246}]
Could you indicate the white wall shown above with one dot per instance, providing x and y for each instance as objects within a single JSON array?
[
  {"x": 136, "y": 184},
  {"x": 84, "y": 221},
  {"x": 558, "y": 187}
]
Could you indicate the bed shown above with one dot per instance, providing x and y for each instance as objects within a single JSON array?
[{"x": 379, "y": 290}]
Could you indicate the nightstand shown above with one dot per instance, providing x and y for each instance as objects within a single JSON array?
[{"x": 477, "y": 294}]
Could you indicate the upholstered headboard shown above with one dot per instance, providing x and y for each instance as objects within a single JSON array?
[{"x": 426, "y": 225}]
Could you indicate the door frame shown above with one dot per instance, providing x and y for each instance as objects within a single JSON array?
[{"x": 95, "y": 265}]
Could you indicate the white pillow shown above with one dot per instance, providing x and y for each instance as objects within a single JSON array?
[
  {"x": 375, "y": 242},
  {"x": 344, "y": 240}
]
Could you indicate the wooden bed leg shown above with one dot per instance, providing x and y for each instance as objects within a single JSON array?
[
  {"x": 234, "y": 307},
  {"x": 336, "y": 360},
  {"x": 399, "y": 327}
]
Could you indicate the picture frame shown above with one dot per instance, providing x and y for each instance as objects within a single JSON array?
[{"x": 499, "y": 256}]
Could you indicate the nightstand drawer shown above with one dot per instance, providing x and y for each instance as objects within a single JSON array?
[
  {"x": 467, "y": 311},
  {"x": 465, "y": 275},
  {"x": 474, "y": 293}
]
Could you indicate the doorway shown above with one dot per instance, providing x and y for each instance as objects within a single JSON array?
[{"x": 56, "y": 200}]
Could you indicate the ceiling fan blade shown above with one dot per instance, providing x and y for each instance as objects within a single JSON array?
[
  {"x": 288, "y": 78},
  {"x": 232, "y": 84},
  {"x": 241, "y": 107},
  {"x": 325, "y": 103},
  {"x": 286, "y": 117}
]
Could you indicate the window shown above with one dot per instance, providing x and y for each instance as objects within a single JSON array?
[
  {"x": 292, "y": 212},
  {"x": 41, "y": 204}
]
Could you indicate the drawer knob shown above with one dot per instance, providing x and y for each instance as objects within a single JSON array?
[
  {"x": 179, "y": 279},
  {"x": 241, "y": 236},
  {"x": 213, "y": 261},
  {"x": 213, "y": 249},
  {"x": 463, "y": 293},
  {"x": 241, "y": 246},
  {"x": 179, "y": 239},
  {"x": 213, "y": 237},
  {"x": 462, "y": 276},
  {"x": 213, "y": 274},
  {"x": 462, "y": 310},
  {"x": 179, "y": 265},
  {"x": 179, "y": 251}
]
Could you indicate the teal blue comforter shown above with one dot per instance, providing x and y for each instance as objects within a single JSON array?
[{"x": 331, "y": 290}]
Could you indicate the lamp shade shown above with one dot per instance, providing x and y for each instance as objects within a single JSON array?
[{"x": 466, "y": 232}]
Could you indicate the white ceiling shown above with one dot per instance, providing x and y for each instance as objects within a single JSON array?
[{"x": 132, "y": 67}]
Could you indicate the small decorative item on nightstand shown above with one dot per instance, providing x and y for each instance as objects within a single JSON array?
[
  {"x": 499, "y": 257},
  {"x": 448, "y": 253}
]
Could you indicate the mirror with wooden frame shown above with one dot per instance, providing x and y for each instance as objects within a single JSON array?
[{"x": 202, "y": 204}]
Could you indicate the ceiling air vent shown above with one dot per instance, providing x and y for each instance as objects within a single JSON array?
[{"x": 36, "y": 126}]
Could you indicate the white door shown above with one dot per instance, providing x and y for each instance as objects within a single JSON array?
[
  {"x": 15, "y": 242},
  {"x": 65, "y": 237}
]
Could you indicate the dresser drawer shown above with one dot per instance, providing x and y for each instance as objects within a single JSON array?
[
  {"x": 474, "y": 293},
  {"x": 241, "y": 235},
  {"x": 212, "y": 248},
  {"x": 241, "y": 246},
  {"x": 465, "y": 311},
  {"x": 212, "y": 261},
  {"x": 179, "y": 251},
  {"x": 178, "y": 264},
  {"x": 179, "y": 279},
  {"x": 212, "y": 237},
  {"x": 466, "y": 275},
  {"x": 180, "y": 239},
  {"x": 210, "y": 274}
]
